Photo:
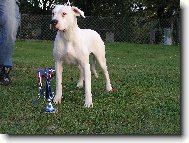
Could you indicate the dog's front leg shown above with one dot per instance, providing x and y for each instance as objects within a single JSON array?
[
  {"x": 87, "y": 78},
  {"x": 58, "y": 68}
]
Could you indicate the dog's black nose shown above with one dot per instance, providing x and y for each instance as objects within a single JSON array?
[{"x": 54, "y": 22}]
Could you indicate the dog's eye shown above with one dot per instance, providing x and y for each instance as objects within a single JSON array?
[
  {"x": 52, "y": 14},
  {"x": 63, "y": 14}
]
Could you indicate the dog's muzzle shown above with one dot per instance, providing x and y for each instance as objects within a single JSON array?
[{"x": 54, "y": 22}]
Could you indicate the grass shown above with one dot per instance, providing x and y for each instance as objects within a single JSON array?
[{"x": 146, "y": 99}]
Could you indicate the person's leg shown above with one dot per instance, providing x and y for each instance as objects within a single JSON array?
[{"x": 9, "y": 22}]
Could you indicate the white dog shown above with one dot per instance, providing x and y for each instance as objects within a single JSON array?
[{"x": 73, "y": 45}]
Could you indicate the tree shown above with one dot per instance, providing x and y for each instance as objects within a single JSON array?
[
  {"x": 37, "y": 6},
  {"x": 159, "y": 8},
  {"x": 109, "y": 8}
]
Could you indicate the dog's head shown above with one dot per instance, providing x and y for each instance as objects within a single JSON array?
[{"x": 64, "y": 16}]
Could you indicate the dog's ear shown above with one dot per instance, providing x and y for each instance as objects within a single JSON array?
[{"x": 77, "y": 11}]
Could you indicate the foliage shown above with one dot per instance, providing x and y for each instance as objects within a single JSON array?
[{"x": 109, "y": 8}]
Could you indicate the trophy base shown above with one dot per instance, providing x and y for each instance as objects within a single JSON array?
[{"x": 50, "y": 109}]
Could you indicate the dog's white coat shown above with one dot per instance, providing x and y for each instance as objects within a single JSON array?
[{"x": 73, "y": 45}]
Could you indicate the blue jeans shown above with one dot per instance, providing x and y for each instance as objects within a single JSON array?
[{"x": 9, "y": 23}]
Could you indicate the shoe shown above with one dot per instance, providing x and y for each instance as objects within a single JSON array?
[{"x": 5, "y": 75}]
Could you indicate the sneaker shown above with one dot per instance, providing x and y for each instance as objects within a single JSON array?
[{"x": 5, "y": 75}]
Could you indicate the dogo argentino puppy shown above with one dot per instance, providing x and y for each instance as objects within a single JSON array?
[{"x": 73, "y": 45}]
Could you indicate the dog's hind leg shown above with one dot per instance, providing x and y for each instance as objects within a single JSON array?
[
  {"x": 81, "y": 78},
  {"x": 102, "y": 62},
  {"x": 93, "y": 66}
]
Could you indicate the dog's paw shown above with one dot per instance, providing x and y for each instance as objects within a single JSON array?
[
  {"x": 80, "y": 84},
  {"x": 88, "y": 105},
  {"x": 88, "y": 102},
  {"x": 109, "y": 88},
  {"x": 57, "y": 100}
]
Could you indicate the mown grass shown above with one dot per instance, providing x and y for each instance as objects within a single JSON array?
[{"x": 146, "y": 99}]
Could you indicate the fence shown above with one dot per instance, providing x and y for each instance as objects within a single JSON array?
[{"x": 133, "y": 29}]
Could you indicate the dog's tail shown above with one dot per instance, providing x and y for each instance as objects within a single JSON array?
[{"x": 93, "y": 66}]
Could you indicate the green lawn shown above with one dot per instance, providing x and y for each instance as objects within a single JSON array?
[{"x": 146, "y": 99}]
